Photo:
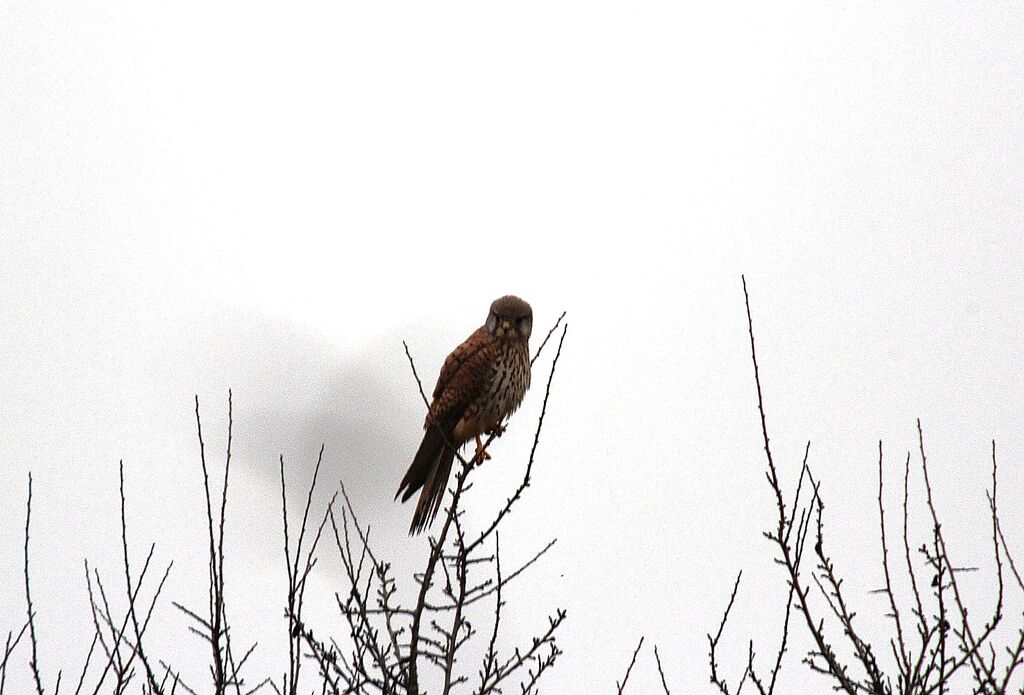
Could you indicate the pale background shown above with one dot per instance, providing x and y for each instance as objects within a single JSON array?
[{"x": 271, "y": 197}]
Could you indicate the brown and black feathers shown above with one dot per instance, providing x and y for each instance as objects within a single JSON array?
[{"x": 481, "y": 383}]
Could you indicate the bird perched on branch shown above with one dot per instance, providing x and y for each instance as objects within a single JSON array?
[{"x": 482, "y": 382}]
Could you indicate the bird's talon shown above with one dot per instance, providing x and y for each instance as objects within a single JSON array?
[{"x": 481, "y": 452}]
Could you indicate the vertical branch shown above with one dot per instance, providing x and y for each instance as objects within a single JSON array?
[
  {"x": 490, "y": 665},
  {"x": 34, "y": 662},
  {"x": 773, "y": 475},
  {"x": 834, "y": 667},
  {"x": 904, "y": 656},
  {"x": 215, "y": 600},
  {"x": 923, "y": 626},
  {"x": 297, "y": 579},
  {"x": 220, "y": 601},
  {"x": 293, "y": 666},
  {"x": 150, "y": 676},
  {"x": 461, "y": 562},
  {"x": 1015, "y": 651},
  {"x": 939, "y": 562},
  {"x": 995, "y": 536},
  {"x": 215, "y": 628}
]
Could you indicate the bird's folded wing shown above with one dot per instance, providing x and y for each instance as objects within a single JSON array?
[{"x": 463, "y": 377}]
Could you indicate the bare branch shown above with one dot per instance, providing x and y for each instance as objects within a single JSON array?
[
  {"x": 631, "y": 664},
  {"x": 713, "y": 641},
  {"x": 661, "y": 673},
  {"x": 34, "y": 662}
]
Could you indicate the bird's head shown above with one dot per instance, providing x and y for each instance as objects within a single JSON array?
[{"x": 510, "y": 318}]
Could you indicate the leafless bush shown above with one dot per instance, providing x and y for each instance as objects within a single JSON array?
[
  {"x": 395, "y": 638},
  {"x": 120, "y": 639},
  {"x": 934, "y": 646}
]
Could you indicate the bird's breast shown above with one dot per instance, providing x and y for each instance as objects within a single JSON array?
[
  {"x": 506, "y": 382},
  {"x": 510, "y": 378}
]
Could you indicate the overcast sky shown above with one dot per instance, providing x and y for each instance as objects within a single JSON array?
[{"x": 270, "y": 198}]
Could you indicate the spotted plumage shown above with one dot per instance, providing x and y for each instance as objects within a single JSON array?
[{"x": 482, "y": 382}]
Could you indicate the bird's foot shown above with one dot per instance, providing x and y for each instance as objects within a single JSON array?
[{"x": 481, "y": 452}]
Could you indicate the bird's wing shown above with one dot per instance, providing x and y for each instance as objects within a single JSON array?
[{"x": 463, "y": 377}]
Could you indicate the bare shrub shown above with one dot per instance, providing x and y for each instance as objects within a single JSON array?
[{"x": 393, "y": 633}]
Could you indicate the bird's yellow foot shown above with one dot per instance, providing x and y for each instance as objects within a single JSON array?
[{"x": 481, "y": 453}]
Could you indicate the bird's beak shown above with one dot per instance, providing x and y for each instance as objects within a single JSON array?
[{"x": 505, "y": 327}]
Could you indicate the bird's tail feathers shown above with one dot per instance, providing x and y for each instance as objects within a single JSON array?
[
  {"x": 429, "y": 474},
  {"x": 433, "y": 492}
]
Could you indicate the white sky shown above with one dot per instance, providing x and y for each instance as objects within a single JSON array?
[{"x": 270, "y": 198}]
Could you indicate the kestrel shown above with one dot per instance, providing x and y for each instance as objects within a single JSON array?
[{"x": 482, "y": 382}]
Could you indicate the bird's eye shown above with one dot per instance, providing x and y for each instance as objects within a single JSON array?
[
  {"x": 492, "y": 322},
  {"x": 525, "y": 325}
]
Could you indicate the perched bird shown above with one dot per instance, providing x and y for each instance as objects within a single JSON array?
[{"x": 482, "y": 382}]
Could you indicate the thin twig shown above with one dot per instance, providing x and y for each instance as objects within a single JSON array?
[
  {"x": 657, "y": 659},
  {"x": 8, "y": 650},
  {"x": 546, "y": 338},
  {"x": 631, "y": 664},
  {"x": 34, "y": 662},
  {"x": 713, "y": 641}
]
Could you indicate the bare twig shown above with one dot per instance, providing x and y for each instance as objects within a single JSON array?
[
  {"x": 298, "y": 567},
  {"x": 216, "y": 632},
  {"x": 150, "y": 676},
  {"x": 34, "y": 662},
  {"x": 903, "y": 656},
  {"x": 717, "y": 680},
  {"x": 419, "y": 383},
  {"x": 631, "y": 664},
  {"x": 9, "y": 646},
  {"x": 661, "y": 672},
  {"x": 546, "y": 338}
]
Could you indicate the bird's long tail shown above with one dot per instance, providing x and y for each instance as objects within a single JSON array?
[{"x": 429, "y": 474}]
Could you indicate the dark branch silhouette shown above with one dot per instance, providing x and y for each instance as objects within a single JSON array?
[{"x": 946, "y": 650}]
